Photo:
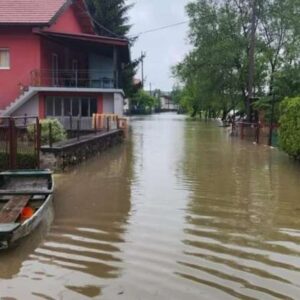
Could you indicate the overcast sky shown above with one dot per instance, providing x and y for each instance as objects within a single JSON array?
[{"x": 163, "y": 48}]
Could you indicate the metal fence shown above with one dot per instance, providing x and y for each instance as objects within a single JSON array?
[
  {"x": 256, "y": 132},
  {"x": 19, "y": 142},
  {"x": 77, "y": 127},
  {"x": 74, "y": 78}
]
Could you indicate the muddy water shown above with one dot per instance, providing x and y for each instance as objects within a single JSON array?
[{"x": 181, "y": 211}]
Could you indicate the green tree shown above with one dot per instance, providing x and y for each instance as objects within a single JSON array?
[
  {"x": 110, "y": 17},
  {"x": 142, "y": 103},
  {"x": 215, "y": 73}
]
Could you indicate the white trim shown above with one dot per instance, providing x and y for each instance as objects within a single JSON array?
[
  {"x": 34, "y": 90},
  {"x": 76, "y": 89}
]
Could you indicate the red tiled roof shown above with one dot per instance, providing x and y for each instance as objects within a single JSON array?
[{"x": 29, "y": 11}]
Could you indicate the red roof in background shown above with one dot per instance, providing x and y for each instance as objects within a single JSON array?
[{"x": 29, "y": 11}]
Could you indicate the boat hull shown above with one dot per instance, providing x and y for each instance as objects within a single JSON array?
[{"x": 13, "y": 232}]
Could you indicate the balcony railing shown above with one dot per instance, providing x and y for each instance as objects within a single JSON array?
[{"x": 74, "y": 79}]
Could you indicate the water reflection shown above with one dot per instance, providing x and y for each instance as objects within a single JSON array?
[
  {"x": 238, "y": 218},
  {"x": 181, "y": 211},
  {"x": 82, "y": 250}
]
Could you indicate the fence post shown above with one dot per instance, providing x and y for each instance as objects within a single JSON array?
[
  {"x": 50, "y": 135},
  {"x": 107, "y": 123},
  {"x": 258, "y": 132},
  {"x": 12, "y": 145},
  {"x": 118, "y": 125},
  {"x": 78, "y": 129},
  {"x": 71, "y": 122},
  {"x": 242, "y": 130},
  {"x": 25, "y": 119},
  {"x": 38, "y": 142},
  {"x": 95, "y": 123}
]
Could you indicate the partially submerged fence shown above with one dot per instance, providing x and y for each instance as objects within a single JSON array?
[
  {"x": 256, "y": 132},
  {"x": 20, "y": 139}
]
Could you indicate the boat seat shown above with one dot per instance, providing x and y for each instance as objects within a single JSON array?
[{"x": 12, "y": 209}]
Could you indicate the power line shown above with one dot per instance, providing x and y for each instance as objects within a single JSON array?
[
  {"x": 160, "y": 28},
  {"x": 97, "y": 23}
]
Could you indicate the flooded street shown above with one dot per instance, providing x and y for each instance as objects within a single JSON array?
[{"x": 180, "y": 211}]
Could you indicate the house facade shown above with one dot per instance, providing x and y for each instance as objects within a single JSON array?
[{"x": 52, "y": 63}]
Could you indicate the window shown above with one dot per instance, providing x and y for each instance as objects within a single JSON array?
[
  {"x": 49, "y": 107},
  {"x": 84, "y": 107},
  {"x": 93, "y": 106},
  {"x": 4, "y": 59},
  {"x": 58, "y": 106},
  {"x": 67, "y": 106},
  {"x": 75, "y": 106}
]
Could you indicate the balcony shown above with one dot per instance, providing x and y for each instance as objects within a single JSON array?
[{"x": 75, "y": 79}]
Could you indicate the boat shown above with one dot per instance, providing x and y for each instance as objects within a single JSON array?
[{"x": 24, "y": 198}]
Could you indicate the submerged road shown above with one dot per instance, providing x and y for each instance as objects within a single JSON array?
[{"x": 180, "y": 211}]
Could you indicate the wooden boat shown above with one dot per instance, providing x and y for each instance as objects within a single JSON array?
[{"x": 24, "y": 198}]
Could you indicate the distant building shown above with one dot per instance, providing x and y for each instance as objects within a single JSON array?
[
  {"x": 52, "y": 63},
  {"x": 166, "y": 101}
]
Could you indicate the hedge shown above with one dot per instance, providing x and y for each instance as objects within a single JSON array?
[{"x": 289, "y": 132}]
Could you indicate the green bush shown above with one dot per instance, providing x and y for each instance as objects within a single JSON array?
[
  {"x": 24, "y": 161},
  {"x": 58, "y": 131},
  {"x": 289, "y": 132}
]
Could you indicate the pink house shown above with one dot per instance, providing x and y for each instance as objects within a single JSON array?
[{"x": 52, "y": 63}]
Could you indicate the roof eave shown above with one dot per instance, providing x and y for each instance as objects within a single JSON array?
[{"x": 32, "y": 24}]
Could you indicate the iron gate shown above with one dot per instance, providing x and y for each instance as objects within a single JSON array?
[{"x": 20, "y": 141}]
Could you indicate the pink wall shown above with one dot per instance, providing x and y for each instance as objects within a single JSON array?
[
  {"x": 24, "y": 50},
  {"x": 29, "y": 51},
  {"x": 67, "y": 22}
]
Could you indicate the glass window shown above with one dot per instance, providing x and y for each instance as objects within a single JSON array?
[
  {"x": 57, "y": 105},
  {"x": 67, "y": 106},
  {"x": 49, "y": 106},
  {"x": 93, "y": 106},
  {"x": 85, "y": 107},
  {"x": 4, "y": 59},
  {"x": 75, "y": 107}
]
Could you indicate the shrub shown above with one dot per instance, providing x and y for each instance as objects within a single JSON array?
[
  {"x": 289, "y": 132},
  {"x": 24, "y": 161},
  {"x": 58, "y": 131}
]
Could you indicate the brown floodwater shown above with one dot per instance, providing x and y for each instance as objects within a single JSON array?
[{"x": 179, "y": 211}]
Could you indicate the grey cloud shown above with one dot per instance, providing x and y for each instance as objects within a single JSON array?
[{"x": 164, "y": 48}]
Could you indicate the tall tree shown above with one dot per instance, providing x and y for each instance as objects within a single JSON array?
[
  {"x": 215, "y": 73},
  {"x": 110, "y": 17}
]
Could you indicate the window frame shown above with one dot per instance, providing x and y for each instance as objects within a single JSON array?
[
  {"x": 75, "y": 102},
  {"x": 9, "y": 65}
]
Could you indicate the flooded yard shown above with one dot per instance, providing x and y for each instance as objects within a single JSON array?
[{"x": 179, "y": 211}]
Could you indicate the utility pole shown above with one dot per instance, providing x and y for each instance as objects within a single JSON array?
[
  {"x": 143, "y": 55},
  {"x": 150, "y": 86},
  {"x": 251, "y": 62}
]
